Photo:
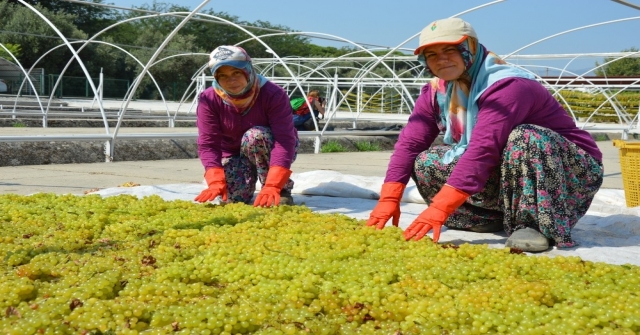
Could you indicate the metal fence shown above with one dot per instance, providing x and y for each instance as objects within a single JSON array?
[
  {"x": 376, "y": 83},
  {"x": 80, "y": 87}
]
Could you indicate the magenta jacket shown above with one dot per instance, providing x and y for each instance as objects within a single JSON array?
[
  {"x": 220, "y": 128},
  {"x": 505, "y": 105}
]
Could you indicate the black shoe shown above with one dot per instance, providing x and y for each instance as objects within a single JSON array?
[
  {"x": 527, "y": 239},
  {"x": 308, "y": 125},
  {"x": 286, "y": 198},
  {"x": 493, "y": 227}
]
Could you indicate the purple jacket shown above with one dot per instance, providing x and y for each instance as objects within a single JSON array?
[
  {"x": 220, "y": 128},
  {"x": 505, "y": 105}
]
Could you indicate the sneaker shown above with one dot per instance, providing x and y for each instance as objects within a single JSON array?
[
  {"x": 286, "y": 198},
  {"x": 528, "y": 240}
]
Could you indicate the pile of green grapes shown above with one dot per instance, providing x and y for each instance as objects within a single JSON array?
[{"x": 123, "y": 265}]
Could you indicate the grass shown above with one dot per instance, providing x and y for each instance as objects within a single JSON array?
[
  {"x": 332, "y": 146},
  {"x": 367, "y": 146},
  {"x": 19, "y": 125},
  {"x": 336, "y": 146},
  {"x": 601, "y": 137}
]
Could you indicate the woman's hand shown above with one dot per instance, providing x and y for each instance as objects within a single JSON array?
[
  {"x": 217, "y": 186},
  {"x": 430, "y": 218},
  {"x": 388, "y": 205},
  {"x": 277, "y": 177},
  {"x": 445, "y": 202}
]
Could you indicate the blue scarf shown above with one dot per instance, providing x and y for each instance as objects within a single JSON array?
[{"x": 458, "y": 99}]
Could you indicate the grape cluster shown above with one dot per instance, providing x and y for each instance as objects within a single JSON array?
[{"x": 123, "y": 265}]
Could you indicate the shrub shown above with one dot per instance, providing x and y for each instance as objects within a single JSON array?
[
  {"x": 367, "y": 146},
  {"x": 332, "y": 146}
]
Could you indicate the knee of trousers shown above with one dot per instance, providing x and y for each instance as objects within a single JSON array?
[{"x": 256, "y": 136}]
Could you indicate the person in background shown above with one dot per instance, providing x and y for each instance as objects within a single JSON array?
[
  {"x": 512, "y": 159},
  {"x": 302, "y": 117},
  {"x": 323, "y": 104},
  {"x": 245, "y": 133},
  {"x": 318, "y": 103}
]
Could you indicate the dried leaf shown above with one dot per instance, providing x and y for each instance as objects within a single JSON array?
[
  {"x": 129, "y": 184},
  {"x": 12, "y": 311},
  {"x": 148, "y": 260},
  {"x": 515, "y": 251},
  {"x": 75, "y": 303}
]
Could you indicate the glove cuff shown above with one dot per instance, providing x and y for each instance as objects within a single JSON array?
[
  {"x": 392, "y": 191},
  {"x": 277, "y": 176},
  {"x": 448, "y": 199},
  {"x": 214, "y": 175}
]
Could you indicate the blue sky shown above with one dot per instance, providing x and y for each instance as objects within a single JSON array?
[{"x": 503, "y": 27}]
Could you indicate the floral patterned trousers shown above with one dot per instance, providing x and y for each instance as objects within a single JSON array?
[
  {"x": 252, "y": 165},
  {"x": 544, "y": 182}
]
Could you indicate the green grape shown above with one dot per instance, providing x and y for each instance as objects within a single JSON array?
[{"x": 126, "y": 265}]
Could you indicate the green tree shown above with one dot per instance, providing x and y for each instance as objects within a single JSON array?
[
  {"x": 141, "y": 38},
  {"x": 626, "y": 67},
  {"x": 208, "y": 32},
  {"x": 199, "y": 36},
  {"x": 101, "y": 57},
  {"x": 14, "y": 49},
  {"x": 86, "y": 17},
  {"x": 23, "y": 27},
  {"x": 171, "y": 73},
  {"x": 280, "y": 42}
]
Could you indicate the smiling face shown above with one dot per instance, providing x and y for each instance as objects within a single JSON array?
[
  {"x": 231, "y": 79},
  {"x": 444, "y": 61}
]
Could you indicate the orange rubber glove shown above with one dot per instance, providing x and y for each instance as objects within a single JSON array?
[
  {"x": 388, "y": 205},
  {"x": 217, "y": 185},
  {"x": 442, "y": 205},
  {"x": 269, "y": 195}
]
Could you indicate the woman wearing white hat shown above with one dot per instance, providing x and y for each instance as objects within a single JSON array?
[
  {"x": 512, "y": 159},
  {"x": 245, "y": 133}
]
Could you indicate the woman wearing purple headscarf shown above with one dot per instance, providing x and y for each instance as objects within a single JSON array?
[{"x": 245, "y": 133}]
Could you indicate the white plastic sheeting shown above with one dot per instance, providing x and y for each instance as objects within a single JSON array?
[{"x": 609, "y": 232}]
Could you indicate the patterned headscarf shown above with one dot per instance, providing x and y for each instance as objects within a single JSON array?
[
  {"x": 238, "y": 58},
  {"x": 458, "y": 99}
]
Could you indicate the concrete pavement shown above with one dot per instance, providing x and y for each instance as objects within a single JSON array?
[{"x": 80, "y": 178}]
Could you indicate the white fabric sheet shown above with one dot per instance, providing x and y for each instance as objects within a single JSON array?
[{"x": 609, "y": 232}]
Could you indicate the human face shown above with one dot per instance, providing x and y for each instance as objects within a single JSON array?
[
  {"x": 231, "y": 79},
  {"x": 444, "y": 61}
]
